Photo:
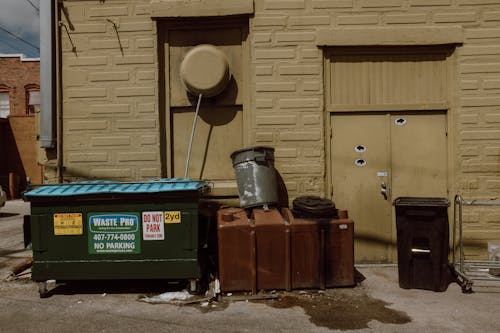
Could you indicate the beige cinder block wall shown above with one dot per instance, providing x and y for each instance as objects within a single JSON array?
[
  {"x": 288, "y": 90},
  {"x": 110, "y": 101}
]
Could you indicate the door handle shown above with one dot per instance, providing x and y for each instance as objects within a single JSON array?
[{"x": 383, "y": 190}]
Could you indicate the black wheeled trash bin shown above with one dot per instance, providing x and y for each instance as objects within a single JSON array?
[{"x": 422, "y": 238}]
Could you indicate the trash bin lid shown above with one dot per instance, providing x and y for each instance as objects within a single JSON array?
[
  {"x": 421, "y": 201},
  {"x": 114, "y": 187},
  {"x": 314, "y": 206},
  {"x": 262, "y": 153}
]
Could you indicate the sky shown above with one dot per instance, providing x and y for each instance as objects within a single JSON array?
[{"x": 21, "y": 18}]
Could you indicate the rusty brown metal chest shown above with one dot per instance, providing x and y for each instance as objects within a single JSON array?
[
  {"x": 322, "y": 253},
  {"x": 236, "y": 247},
  {"x": 307, "y": 255},
  {"x": 272, "y": 237},
  {"x": 273, "y": 250},
  {"x": 339, "y": 253}
]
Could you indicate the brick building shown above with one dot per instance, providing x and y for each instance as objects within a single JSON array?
[
  {"x": 19, "y": 98},
  {"x": 364, "y": 100}
]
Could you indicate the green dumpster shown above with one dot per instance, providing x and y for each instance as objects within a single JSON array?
[{"x": 102, "y": 230}]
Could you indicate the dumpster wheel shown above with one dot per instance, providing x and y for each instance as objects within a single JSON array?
[
  {"x": 42, "y": 289},
  {"x": 195, "y": 286}
]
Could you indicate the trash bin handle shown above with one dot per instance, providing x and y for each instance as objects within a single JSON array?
[{"x": 261, "y": 158}]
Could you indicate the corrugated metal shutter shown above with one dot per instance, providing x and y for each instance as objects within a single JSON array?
[{"x": 386, "y": 78}]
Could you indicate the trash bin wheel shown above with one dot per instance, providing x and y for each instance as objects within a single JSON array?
[{"x": 467, "y": 288}]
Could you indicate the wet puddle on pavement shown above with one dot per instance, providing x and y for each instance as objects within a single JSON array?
[
  {"x": 341, "y": 309},
  {"x": 338, "y": 309}
]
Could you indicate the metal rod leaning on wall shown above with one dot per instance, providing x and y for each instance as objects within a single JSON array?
[
  {"x": 186, "y": 171},
  {"x": 115, "y": 26},
  {"x": 467, "y": 282}
]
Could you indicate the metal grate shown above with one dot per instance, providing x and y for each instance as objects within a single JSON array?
[{"x": 469, "y": 271}]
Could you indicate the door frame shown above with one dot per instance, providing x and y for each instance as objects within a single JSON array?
[
  {"x": 450, "y": 107},
  {"x": 388, "y": 143},
  {"x": 163, "y": 26}
]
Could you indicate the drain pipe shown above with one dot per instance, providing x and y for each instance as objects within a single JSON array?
[
  {"x": 192, "y": 136},
  {"x": 47, "y": 73}
]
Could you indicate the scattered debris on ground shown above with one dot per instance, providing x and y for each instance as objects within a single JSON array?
[
  {"x": 170, "y": 297},
  {"x": 343, "y": 309},
  {"x": 19, "y": 269}
]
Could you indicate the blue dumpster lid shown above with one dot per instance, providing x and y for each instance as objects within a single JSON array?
[{"x": 114, "y": 187}]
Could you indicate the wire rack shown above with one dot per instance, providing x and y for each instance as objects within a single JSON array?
[{"x": 469, "y": 271}]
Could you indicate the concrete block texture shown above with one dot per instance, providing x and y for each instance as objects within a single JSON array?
[
  {"x": 456, "y": 17},
  {"x": 418, "y": 3},
  {"x": 332, "y": 4},
  {"x": 284, "y": 4},
  {"x": 108, "y": 76},
  {"x": 275, "y": 86},
  {"x": 406, "y": 18},
  {"x": 380, "y": 3},
  {"x": 111, "y": 108},
  {"x": 107, "y": 11},
  {"x": 182, "y": 8},
  {"x": 87, "y": 92},
  {"x": 99, "y": 44},
  {"x": 108, "y": 93}
]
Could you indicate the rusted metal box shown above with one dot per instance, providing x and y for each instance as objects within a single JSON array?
[
  {"x": 274, "y": 250},
  {"x": 307, "y": 254},
  {"x": 272, "y": 236},
  {"x": 322, "y": 252},
  {"x": 236, "y": 247},
  {"x": 339, "y": 253}
]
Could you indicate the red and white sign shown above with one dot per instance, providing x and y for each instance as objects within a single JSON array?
[{"x": 152, "y": 226}]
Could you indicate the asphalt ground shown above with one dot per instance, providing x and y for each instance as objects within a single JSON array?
[{"x": 377, "y": 304}]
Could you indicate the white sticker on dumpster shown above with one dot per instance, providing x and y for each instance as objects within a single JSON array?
[{"x": 152, "y": 226}]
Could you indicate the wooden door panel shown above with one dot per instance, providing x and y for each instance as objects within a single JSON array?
[
  {"x": 406, "y": 152},
  {"x": 218, "y": 133},
  {"x": 419, "y": 155},
  {"x": 220, "y": 126},
  {"x": 356, "y": 187},
  {"x": 379, "y": 77}
]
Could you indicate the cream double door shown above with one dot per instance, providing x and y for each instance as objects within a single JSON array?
[{"x": 378, "y": 157}]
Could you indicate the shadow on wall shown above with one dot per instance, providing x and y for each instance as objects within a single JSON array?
[
  {"x": 77, "y": 174},
  {"x": 10, "y": 162},
  {"x": 220, "y": 117}
]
